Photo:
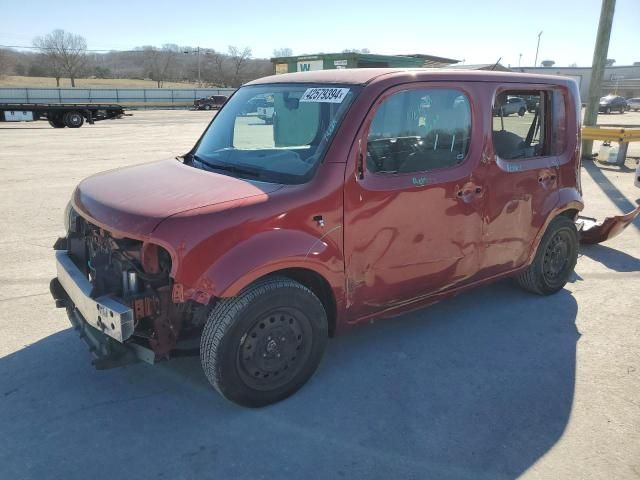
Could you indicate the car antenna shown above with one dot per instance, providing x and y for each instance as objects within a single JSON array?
[{"x": 496, "y": 64}]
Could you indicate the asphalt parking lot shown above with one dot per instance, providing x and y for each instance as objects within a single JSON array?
[{"x": 492, "y": 384}]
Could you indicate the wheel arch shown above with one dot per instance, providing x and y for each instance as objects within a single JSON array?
[{"x": 312, "y": 279}]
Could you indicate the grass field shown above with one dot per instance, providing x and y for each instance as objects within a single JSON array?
[{"x": 44, "y": 82}]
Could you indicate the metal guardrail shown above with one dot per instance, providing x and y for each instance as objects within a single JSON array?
[
  {"x": 127, "y": 97},
  {"x": 622, "y": 135}
]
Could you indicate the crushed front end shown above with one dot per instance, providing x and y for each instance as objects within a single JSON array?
[{"x": 118, "y": 294}]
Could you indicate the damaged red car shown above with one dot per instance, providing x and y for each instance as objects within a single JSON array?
[{"x": 371, "y": 192}]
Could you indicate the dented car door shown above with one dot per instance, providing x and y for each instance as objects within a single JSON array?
[{"x": 413, "y": 205}]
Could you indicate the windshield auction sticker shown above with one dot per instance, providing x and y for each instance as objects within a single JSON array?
[{"x": 324, "y": 95}]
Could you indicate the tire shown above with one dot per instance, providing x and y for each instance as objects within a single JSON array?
[
  {"x": 607, "y": 110},
  {"x": 57, "y": 122},
  {"x": 262, "y": 346},
  {"x": 622, "y": 110},
  {"x": 73, "y": 119},
  {"x": 555, "y": 259},
  {"x": 522, "y": 111},
  {"x": 207, "y": 107}
]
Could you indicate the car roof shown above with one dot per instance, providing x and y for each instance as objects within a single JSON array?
[{"x": 363, "y": 76}]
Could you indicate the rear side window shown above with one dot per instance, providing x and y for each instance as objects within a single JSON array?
[
  {"x": 535, "y": 127},
  {"x": 518, "y": 129},
  {"x": 419, "y": 130}
]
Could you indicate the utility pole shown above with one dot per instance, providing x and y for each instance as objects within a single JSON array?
[
  {"x": 187, "y": 52},
  {"x": 535, "y": 62},
  {"x": 597, "y": 70},
  {"x": 519, "y": 60}
]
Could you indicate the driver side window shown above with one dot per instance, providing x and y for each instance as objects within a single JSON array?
[{"x": 419, "y": 130}]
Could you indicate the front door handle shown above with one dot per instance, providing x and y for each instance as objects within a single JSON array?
[{"x": 469, "y": 192}]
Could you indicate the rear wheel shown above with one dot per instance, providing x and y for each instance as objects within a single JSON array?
[
  {"x": 607, "y": 110},
  {"x": 73, "y": 119},
  {"x": 555, "y": 259},
  {"x": 622, "y": 109},
  {"x": 263, "y": 345},
  {"x": 522, "y": 111},
  {"x": 207, "y": 107}
]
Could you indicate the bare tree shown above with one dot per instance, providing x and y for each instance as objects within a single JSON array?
[
  {"x": 160, "y": 62},
  {"x": 4, "y": 62},
  {"x": 239, "y": 59},
  {"x": 65, "y": 52},
  {"x": 283, "y": 52},
  {"x": 216, "y": 69}
]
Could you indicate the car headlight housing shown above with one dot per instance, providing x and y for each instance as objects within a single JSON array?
[{"x": 70, "y": 218}]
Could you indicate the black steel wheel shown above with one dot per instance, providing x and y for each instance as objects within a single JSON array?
[
  {"x": 73, "y": 119},
  {"x": 263, "y": 345},
  {"x": 274, "y": 350},
  {"x": 555, "y": 259}
]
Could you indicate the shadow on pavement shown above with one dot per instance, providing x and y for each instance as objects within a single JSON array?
[
  {"x": 480, "y": 386},
  {"x": 611, "y": 258}
]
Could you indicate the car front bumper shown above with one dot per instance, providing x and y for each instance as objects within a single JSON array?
[{"x": 104, "y": 322}]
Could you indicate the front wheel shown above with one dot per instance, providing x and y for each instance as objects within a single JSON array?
[
  {"x": 522, "y": 111},
  {"x": 607, "y": 110},
  {"x": 555, "y": 259},
  {"x": 263, "y": 345}
]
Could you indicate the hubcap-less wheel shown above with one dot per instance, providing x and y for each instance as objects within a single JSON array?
[
  {"x": 73, "y": 120},
  {"x": 556, "y": 257},
  {"x": 554, "y": 260},
  {"x": 262, "y": 345},
  {"x": 274, "y": 349}
]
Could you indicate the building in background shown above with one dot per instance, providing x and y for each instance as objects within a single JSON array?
[
  {"x": 618, "y": 80},
  {"x": 331, "y": 61}
]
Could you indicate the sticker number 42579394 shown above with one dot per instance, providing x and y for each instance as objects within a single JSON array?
[{"x": 324, "y": 95}]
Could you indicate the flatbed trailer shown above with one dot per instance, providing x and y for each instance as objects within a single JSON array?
[{"x": 60, "y": 115}]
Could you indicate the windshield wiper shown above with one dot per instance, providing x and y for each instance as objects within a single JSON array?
[{"x": 226, "y": 167}]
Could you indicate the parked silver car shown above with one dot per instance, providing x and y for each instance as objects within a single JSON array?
[
  {"x": 633, "y": 104},
  {"x": 512, "y": 105}
]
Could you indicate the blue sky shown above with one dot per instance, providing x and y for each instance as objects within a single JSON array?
[{"x": 476, "y": 31}]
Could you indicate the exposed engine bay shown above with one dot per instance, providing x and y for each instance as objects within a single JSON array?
[{"x": 137, "y": 274}]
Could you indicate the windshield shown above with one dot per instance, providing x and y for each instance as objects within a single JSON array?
[{"x": 276, "y": 133}]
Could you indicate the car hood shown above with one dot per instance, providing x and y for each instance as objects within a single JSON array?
[{"x": 134, "y": 200}]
